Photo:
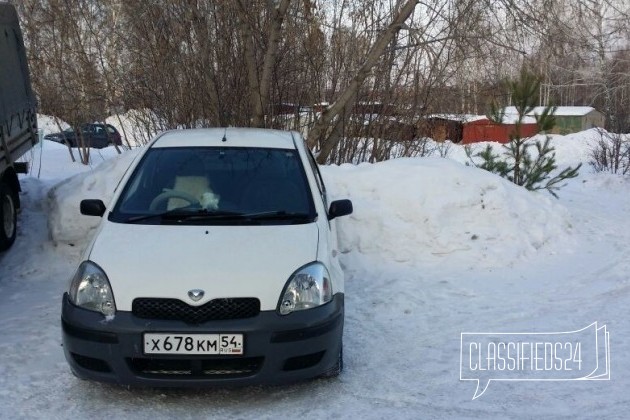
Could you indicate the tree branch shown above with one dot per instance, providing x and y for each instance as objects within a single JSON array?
[{"x": 318, "y": 134}]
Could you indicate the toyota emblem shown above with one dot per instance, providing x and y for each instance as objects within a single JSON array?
[{"x": 196, "y": 294}]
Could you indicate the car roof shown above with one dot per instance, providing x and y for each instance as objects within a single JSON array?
[
  {"x": 226, "y": 137},
  {"x": 96, "y": 124}
]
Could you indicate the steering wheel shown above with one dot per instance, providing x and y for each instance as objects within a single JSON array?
[{"x": 168, "y": 193}]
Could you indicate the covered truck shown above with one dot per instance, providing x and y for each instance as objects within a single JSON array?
[{"x": 18, "y": 120}]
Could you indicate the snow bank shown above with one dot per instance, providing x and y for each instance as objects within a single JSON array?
[
  {"x": 417, "y": 210},
  {"x": 49, "y": 124},
  {"x": 571, "y": 149},
  {"x": 65, "y": 222},
  {"x": 51, "y": 161},
  {"x": 432, "y": 210},
  {"x": 137, "y": 127},
  {"x": 574, "y": 148}
]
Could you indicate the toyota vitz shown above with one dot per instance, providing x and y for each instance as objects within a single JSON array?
[{"x": 216, "y": 263}]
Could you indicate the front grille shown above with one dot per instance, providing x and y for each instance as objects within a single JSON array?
[
  {"x": 197, "y": 368},
  {"x": 174, "y": 309}
]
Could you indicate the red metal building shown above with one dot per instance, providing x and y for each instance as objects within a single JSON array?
[{"x": 487, "y": 130}]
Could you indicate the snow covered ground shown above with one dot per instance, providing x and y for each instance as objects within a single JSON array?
[{"x": 433, "y": 249}]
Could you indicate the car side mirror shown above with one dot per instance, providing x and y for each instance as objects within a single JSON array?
[
  {"x": 339, "y": 208},
  {"x": 93, "y": 208}
]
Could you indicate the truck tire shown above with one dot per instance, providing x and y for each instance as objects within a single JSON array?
[{"x": 8, "y": 216}]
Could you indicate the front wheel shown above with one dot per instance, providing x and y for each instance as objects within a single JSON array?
[{"x": 8, "y": 216}]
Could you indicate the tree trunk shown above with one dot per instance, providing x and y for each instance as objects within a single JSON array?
[
  {"x": 319, "y": 132},
  {"x": 270, "y": 57},
  {"x": 259, "y": 85},
  {"x": 250, "y": 57}
]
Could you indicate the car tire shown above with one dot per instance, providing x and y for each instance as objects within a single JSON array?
[
  {"x": 337, "y": 368},
  {"x": 8, "y": 216}
]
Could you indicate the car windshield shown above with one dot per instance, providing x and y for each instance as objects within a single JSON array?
[{"x": 216, "y": 185}]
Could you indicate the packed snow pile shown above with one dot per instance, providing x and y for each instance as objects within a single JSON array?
[
  {"x": 48, "y": 124},
  {"x": 570, "y": 149},
  {"x": 51, "y": 162},
  {"x": 419, "y": 210},
  {"x": 66, "y": 224},
  {"x": 137, "y": 127},
  {"x": 433, "y": 210}
]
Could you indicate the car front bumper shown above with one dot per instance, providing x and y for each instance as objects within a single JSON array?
[{"x": 277, "y": 349}]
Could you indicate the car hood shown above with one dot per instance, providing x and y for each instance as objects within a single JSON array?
[{"x": 224, "y": 261}]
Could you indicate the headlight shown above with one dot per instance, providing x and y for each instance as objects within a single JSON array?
[
  {"x": 307, "y": 288},
  {"x": 90, "y": 289}
]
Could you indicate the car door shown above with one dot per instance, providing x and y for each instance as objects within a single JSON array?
[
  {"x": 85, "y": 136},
  {"x": 113, "y": 137},
  {"x": 331, "y": 225},
  {"x": 99, "y": 136}
]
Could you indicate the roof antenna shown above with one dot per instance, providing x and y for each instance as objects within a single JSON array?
[{"x": 224, "y": 139}]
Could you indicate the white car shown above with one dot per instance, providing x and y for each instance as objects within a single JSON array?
[{"x": 216, "y": 263}]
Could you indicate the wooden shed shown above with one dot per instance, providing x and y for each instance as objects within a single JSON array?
[{"x": 442, "y": 127}]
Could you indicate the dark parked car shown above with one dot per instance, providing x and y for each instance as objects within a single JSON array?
[{"x": 94, "y": 135}]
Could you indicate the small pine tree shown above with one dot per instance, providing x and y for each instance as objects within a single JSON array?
[{"x": 517, "y": 164}]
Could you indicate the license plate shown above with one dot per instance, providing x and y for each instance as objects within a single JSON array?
[{"x": 226, "y": 344}]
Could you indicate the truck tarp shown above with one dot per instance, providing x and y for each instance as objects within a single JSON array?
[{"x": 17, "y": 101}]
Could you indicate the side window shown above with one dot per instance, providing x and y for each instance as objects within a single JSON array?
[{"x": 318, "y": 178}]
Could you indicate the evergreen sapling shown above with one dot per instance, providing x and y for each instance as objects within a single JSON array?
[{"x": 517, "y": 164}]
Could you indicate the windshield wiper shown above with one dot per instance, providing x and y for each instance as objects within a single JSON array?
[
  {"x": 279, "y": 215},
  {"x": 251, "y": 217},
  {"x": 201, "y": 215},
  {"x": 179, "y": 214}
]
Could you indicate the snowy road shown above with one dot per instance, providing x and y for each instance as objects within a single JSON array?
[{"x": 402, "y": 335}]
